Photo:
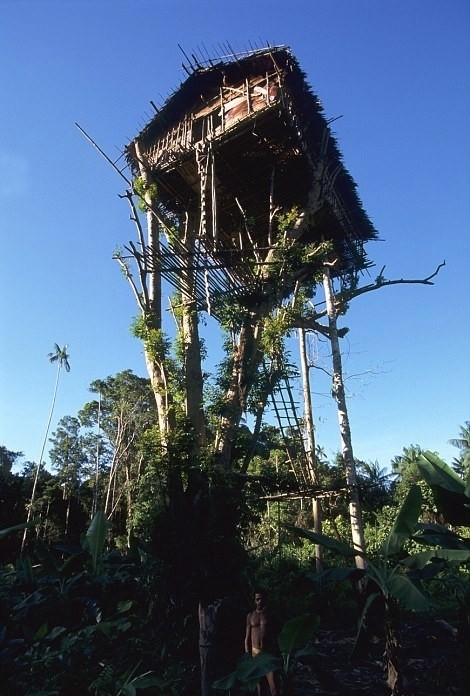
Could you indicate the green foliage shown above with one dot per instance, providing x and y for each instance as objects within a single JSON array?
[
  {"x": 16, "y": 528},
  {"x": 235, "y": 310},
  {"x": 388, "y": 571},
  {"x": 96, "y": 537},
  {"x": 438, "y": 474},
  {"x": 60, "y": 356},
  {"x": 377, "y": 528},
  {"x": 461, "y": 464},
  {"x": 293, "y": 641},
  {"x": 149, "y": 490},
  {"x": 451, "y": 493},
  {"x": 248, "y": 672},
  {"x": 108, "y": 683},
  {"x": 78, "y": 623},
  {"x": 405, "y": 467},
  {"x": 395, "y": 572},
  {"x": 291, "y": 261},
  {"x": 156, "y": 343},
  {"x": 374, "y": 488},
  {"x": 146, "y": 192},
  {"x": 405, "y": 523},
  {"x": 7, "y": 459},
  {"x": 396, "y": 577},
  {"x": 275, "y": 329},
  {"x": 286, "y": 220}
]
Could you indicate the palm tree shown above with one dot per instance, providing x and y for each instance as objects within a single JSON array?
[
  {"x": 61, "y": 357},
  {"x": 402, "y": 462},
  {"x": 461, "y": 464}
]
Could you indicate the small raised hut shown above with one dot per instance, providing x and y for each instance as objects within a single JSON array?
[{"x": 241, "y": 140}]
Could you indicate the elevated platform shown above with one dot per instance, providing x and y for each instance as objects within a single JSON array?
[{"x": 239, "y": 142}]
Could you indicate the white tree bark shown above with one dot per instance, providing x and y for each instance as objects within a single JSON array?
[
  {"x": 357, "y": 527},
  {"x": 191, "y": 343},
  {"x": 310, "y": 438},
  {"x": 155, "y": 364}
]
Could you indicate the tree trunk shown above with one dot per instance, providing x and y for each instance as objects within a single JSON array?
[
  {"x": 39, "y": 464},
  {"x": 310, "y": 437},
  {"x": 94, "y": 508},
  {"x": 191, "y": 343},
  {"x": 155, "y": 363},
  {"x": 396, "y": 679},
  {"x": 207, "y": 631},
  {"x": 357, "y": 527},
  {"x": 67, "y": 515},
  {"x": 258, "y": 423},
  {"x": 245, "y": 360}
]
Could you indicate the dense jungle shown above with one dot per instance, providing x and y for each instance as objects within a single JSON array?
[{"x": 103, "y": 598}]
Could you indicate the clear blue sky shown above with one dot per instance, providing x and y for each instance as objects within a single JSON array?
[{"x": 398, "y": 72}]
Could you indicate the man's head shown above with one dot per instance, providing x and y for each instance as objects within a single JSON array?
[{"x": 259, "y": 600}]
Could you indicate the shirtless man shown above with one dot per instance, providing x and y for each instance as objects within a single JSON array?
[{"x": 257, "y": 636}]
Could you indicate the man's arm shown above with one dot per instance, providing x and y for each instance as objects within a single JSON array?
[{"x": 248, "y": 634}]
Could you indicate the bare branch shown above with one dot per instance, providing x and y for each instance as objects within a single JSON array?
[
  {"x": 141, "y": 259},
  {"x": 321, "y": 369},
  {"x": 103, "y": 154},
  {"x": 311, "y": 324},
  {"x": 343, "y": 298},
  {"x": 142, "y": 268},
  {"x": 129, "y": 277},
  {"x": 138, "y": 224},
  {"x": 153, "y": 211}
]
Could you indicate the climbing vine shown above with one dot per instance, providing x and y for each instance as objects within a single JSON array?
[
  {"x": 145, "y": 192},
  {"x": 156, "y": 343}
]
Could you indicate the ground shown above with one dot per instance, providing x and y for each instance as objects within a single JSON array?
[{"x": 437, "y": 663}]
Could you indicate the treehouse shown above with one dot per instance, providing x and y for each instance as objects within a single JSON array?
[{"x": 242, "y": 141}]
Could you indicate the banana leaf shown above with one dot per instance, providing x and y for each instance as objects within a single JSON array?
[
  {"x": 419, "y": 560},
  {"x": 405, "y": 522},
  {"x": 16, "y": 528},
  {"x": 437, "y": 473},
  {"x": 438, "y": 535},
  {"x": 96, "y": 536},
  {"x": 249, "y": 670},
  {"x": 297, "y": 632},
  {"x": 403, "y": 589},
  {"x": 328, "y": 542}
]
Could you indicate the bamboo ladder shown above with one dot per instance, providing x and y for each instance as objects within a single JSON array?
[{"x": 285, "y": 409}]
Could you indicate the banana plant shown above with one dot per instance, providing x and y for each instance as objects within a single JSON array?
[
  {"x": 390, "y": 577},
  {"x": 66, "y": 613},
  {"x": 17, "y": 528},
  {"x": 451, "y": 494},
  {"x": 95, "y": 538}
]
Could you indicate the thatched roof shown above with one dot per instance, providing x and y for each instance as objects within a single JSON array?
[{"x": 290, "y": 137}]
